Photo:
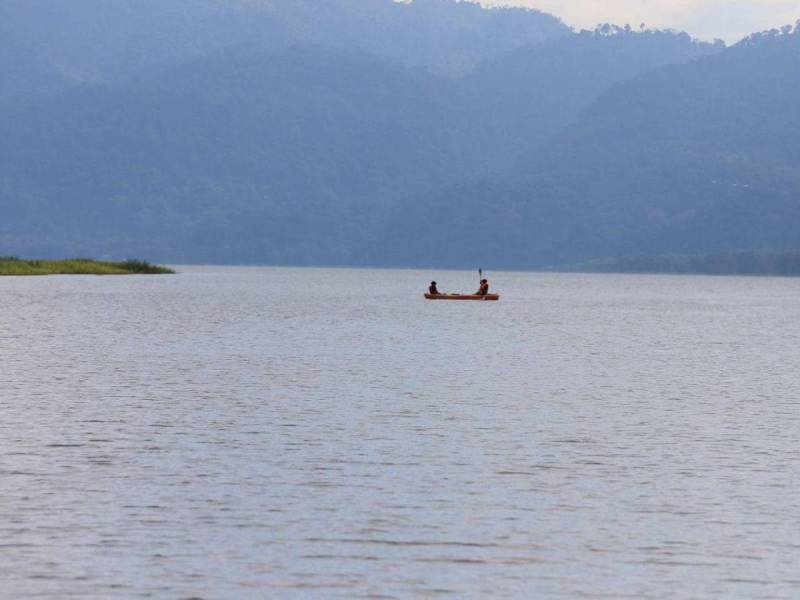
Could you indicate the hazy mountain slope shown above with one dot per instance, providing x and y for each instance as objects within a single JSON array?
[
  {"x": 698, "y": 157},
  {"x": 528, "y": 95},
  {"x": 272, "y": 152},
  {"x": 300, "y": 155},
  {"x": 445, "y": 36},
  {"x": 292, "y": 143},
  {"x": 704, "y": 156},
  {"x": 47, "y": 46}
]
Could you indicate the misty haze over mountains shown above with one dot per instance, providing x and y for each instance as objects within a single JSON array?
[{"x": 366, "y": 132}]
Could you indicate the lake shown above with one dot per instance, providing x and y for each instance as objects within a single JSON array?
[{"x": 266, "y": 432}]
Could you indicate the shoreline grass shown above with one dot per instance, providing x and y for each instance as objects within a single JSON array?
[{"x": 13, "y": 266}]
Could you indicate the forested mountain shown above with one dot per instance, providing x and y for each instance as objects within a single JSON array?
[
  {"x": 525, "y": 97},
  {"x": 691, "y": 158},
  {"x": 289, "y": 145},
  {"x": 47, "y": 46},
  {"x": 697, "y": 157},
  {"x": 446, "y": 37},
  {"x": 368, "y": 132}
]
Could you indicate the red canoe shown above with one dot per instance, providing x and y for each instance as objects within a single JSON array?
[{"x": 462, "y": 297}]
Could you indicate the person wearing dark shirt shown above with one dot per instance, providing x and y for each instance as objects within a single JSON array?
[
  {"x": 483, "y": 290},
  {"x": 432, "y": 290}
]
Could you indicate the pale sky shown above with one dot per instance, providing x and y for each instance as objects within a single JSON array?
[{"x": 729, "y": 20}]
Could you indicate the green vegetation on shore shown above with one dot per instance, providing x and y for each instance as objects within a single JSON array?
[
  {"x": 784, "y": 263},
  {"x": 11, "y": 265}
]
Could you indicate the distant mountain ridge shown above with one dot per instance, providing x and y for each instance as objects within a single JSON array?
[
  {"x": 289, "y": 136},
  {"x": 535, "y": 91},
  {"x": 691, "y": 158},
  {"x": 175, "y": 160},
  {"x": 48, "y": 46}
]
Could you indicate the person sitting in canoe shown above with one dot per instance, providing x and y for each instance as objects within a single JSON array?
[
  {"x": 432, "y": 290},
  {"x": 483, "y": 290}
]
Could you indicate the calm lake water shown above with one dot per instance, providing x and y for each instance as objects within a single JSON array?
[{"x": 254, "y": 432}]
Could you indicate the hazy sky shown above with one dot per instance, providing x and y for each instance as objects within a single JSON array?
[{"x": 730, "y": 20}]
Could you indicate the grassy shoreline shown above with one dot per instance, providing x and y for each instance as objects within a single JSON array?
[
  {"x": 771, "y": 263},
  {"x": 13, "y": 266}
]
